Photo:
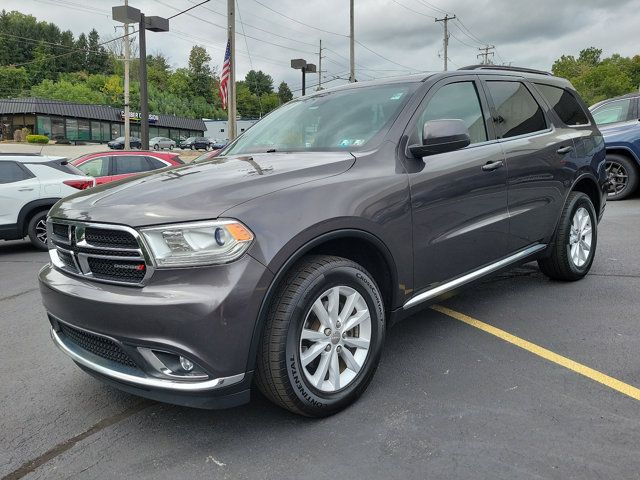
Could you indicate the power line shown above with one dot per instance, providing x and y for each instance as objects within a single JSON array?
[
  {"x": 412, "y": 10},
  {"x": 298, "y": 21},
  {"x": 432, "y": 6},
  {"x": 385, "y": 58}
]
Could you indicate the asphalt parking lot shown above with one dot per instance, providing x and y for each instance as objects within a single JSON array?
[{"x": 449, "y": 400}]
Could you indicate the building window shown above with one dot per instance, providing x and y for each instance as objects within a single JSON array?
[
  {"x": 105, "y": 128},
  {"x": 96, "y": 134},
  {"x": 84, "y": 129},
  {"x": 43, "y": 126},
  {"x": 72, "y": 128},
  {"x": 57, "y": 128}
]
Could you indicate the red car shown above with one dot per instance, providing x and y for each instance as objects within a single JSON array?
[{"x": 108, "y": 167}]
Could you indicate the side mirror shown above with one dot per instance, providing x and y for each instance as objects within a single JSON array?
[{"x": 440, "y": 136}]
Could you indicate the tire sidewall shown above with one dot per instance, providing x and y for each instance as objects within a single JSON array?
[
  {"x": 632, "y": 176},
  {"x": 310, "y": 399},
  {"x": 578, "y": 202}
]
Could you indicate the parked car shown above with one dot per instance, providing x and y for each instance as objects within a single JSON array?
[
  {"x": 619, "y": 122},
  {"x": 219, "y": 144},
  {"x": 208, "y": 155},
  {"x": 332, "y": 218},
  {"x": 118, "y": 143},
  {"x": 196, "y": 143},
  {"x": 160, "y": 143},
  {"x": 29, "y": 186},
  {"x": 108, "y": 167}
]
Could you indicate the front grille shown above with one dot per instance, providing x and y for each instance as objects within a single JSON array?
[
  {"x": 119, "y": 270},
  {"x": 110, "y": 238},
  {"x": 100, "y": 346},
  {"x": 107, "y": 253}
]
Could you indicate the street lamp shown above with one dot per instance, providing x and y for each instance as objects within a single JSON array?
[
  {"x": 127, "y": 14},
  {"x": 301, "y": 64}
]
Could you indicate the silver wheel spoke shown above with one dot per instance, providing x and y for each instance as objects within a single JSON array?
[
  {"x": 334, "y": 304},
  {"x": 334, "y": 370},
  {"x": 318, "y": 378},
  {"x": 313, "y": 335},
  {"x": 310, "y": 354},
  {"x": 348, "y": 306},
  {"x": 350, "y": 360},
  {"x": 356, "y": 342},
  {"x": 356, "y": 320},
  {"x": 321, "y": 313}
]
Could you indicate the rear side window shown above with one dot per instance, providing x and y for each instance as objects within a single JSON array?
[
  {"x": 518, "y": 113},
  {"x": 612, "y": 112},
  {"x": 564, "y": 104},
  {"x": 457, "y": 101},
  {"x": 11, "y": 172},
  {"x": 96, "y": 167},
  {"x": 155, "y": 163},
  {"x": 131, "y": 164}
]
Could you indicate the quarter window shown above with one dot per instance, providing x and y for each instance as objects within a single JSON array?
[
  {"x": 457, "y": 101},
  {"x": 564, "y": 104},
  {"x": 96, "y": 167},
  {"x": 518, "y": 113},
  {"x": 612, "y": 112},
  {"x": 11, "y": 172}
]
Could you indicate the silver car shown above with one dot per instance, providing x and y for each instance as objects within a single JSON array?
[{"x": 160, "y": 143}]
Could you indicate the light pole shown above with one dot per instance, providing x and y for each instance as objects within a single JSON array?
[
  {"x": 126, "y": 14},
  {"x": 301, "y": 64}
]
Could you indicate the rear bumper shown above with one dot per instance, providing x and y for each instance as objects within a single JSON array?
[{"x": 206, "y": 314}]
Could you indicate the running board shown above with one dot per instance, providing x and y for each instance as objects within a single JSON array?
[{"x": 470, "y": 277}]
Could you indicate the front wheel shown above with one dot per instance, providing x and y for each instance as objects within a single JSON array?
[
  {"x": 622, "y": 174},
  {"x": 574, "y": 245},
  {"x": 37, "y": 230},
  {"x": 323, "y": 337},
  {"x": 156, "y": 147}
]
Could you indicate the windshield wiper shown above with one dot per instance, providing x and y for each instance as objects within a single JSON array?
[{"x": 271, "y": 150}]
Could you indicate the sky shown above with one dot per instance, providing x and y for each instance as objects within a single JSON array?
[{"x": 395, "y": 37}]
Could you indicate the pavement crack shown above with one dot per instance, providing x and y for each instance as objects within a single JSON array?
[
  {"x": 31, "y": 465},
  {"x": 15, "y": 295}
]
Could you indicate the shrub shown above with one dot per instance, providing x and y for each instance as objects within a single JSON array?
[{"x": 37, "y": 139}]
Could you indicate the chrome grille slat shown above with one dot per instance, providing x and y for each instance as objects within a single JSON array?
[{"x": 100, "y": 252}]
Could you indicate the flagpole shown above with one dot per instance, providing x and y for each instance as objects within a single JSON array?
[{"x": 231, "y": 89}]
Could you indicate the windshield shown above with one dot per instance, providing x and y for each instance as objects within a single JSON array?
[
  {"x": 340, "y": 120},
  {"x": 119, "y": 139}
]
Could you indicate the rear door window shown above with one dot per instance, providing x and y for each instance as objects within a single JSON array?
[
  {"x": 11, "y": 172},
  {"x": 155, "y": 163},
  {"x": 564, "y": 104},
  {"x": 612, "y": 112},
  {"x": 96, "y": 167},
  {"x": 131, "y": 164},
  {"x": 517, "y": 111}
]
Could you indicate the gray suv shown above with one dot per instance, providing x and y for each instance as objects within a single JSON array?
[{"x": 282, "y": 263}]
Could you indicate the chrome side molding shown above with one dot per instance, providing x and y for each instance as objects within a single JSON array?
[{"x": 469, "y": 277}]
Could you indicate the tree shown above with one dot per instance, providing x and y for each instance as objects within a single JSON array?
[
  {"x": 12, "y": 81},
  {"x": 259, "y": 82},
  {"x": 81, "y": 56},
  {"x": 284, "y": 92},
  {"x": 201, "y": 80},
  {"x": 97, "y": 56}
]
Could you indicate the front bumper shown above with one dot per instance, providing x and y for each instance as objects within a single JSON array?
[{"x": 207, "y": 314}]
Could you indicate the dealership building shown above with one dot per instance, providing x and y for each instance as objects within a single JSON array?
[{"x": 81, "y": 122}]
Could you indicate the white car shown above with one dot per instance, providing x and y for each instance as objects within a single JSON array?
[
  {"x": 29, "y": 186},
  {"x": 160, "y": 143}
]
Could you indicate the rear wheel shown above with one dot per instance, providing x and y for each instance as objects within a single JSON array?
[
  {"x": 323, "y": 337},
  {"x": 171, "y": 146},
  {"x": 622, "y": 174},
  {"x": 574, "y": 245},
  {"x": 156, "y": 147},
  {"x": 37, "y": 230}
]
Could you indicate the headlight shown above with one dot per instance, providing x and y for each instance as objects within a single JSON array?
[{"x": 199, "y": 243}]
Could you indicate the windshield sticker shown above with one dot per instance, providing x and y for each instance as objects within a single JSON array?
[
  {"x": 345, "y": 143},
  {"x": 397, "y": 96},
  {"x": 350, "y": 142}
]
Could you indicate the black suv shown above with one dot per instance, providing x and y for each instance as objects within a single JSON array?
[
  {"x": 196, "y": 143},
  {"x": 283, "y": 262}
]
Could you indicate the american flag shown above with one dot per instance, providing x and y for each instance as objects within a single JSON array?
[{"x": 224, "y": 78}]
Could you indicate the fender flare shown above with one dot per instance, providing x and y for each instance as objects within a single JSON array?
[
  {"x": 284, "y": 268},
  {"x": 28, "y": 208},
  {"x": 633, "y": 154}
]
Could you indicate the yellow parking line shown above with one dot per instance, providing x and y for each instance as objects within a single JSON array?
[{"x": 594, "y": 375}]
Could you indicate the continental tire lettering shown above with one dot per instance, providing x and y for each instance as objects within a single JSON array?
[
  {"x": 374, "y": 292},
  {"x": 300, "y": 387}
]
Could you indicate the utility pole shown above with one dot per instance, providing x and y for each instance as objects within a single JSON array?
[
  {"x": 231, "y": 89},
  {"x": 484, "y": 53},
  {"x": 320, "y": 67},
  {"x": 352, "y": 46},
  {"x": 445, "y": 42},
  {"x": 144, "y": 94},
  {"x": 127, "y": 56}
]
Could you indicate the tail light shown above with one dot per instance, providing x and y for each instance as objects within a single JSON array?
[{"x": 80, "y": 184}]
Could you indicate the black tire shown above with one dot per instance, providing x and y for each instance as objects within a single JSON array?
[
  {"x": 280, "y": 374},
  {"x": 559, "y": 264},
  {"x": 156, "y": 147},
  {"x": 170, "y": 146},
  {"x": 617, "y": 167},
  {"x": 34, "y": 230}
]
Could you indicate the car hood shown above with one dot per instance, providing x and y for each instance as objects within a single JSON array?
[{"x": 198, "y": 191}]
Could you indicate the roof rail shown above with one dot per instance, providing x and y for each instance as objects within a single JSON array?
[
  {"x": 506, "y": 68},
  {"x": 20, "y": 154}
]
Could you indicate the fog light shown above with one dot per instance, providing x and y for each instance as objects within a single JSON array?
[{"x": 186, "y": 364}]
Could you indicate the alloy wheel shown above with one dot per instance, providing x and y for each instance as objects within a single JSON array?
[
  {"x": 618, "y": 177},
  {"x": 335, "y": 339},
  {"x": 580, "y": 237},
  {"x": 41, "y": 231}
]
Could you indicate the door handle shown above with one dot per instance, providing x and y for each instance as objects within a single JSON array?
[
  {"x": 564, "y": 150},
  {"x": 491, "y": 166},
  {"x": 25, "y": 189}
]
